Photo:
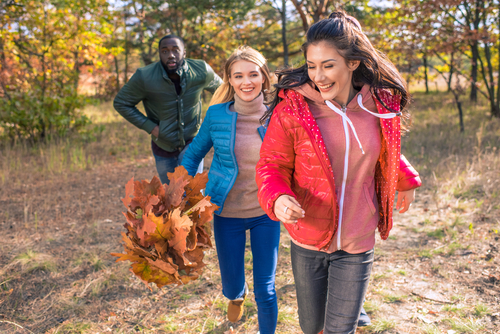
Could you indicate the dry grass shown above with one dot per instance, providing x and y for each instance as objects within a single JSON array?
[{"x": 60, "y": 217}]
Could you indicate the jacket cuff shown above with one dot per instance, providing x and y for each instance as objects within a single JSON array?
[
  {"x": 409, "y": 184},
  {"x": 148, "y": 126}
]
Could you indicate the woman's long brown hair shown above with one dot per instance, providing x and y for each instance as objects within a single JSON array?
[{"x": 344, "y": 33}]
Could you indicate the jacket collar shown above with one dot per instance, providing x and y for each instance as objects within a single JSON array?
[{"x": 180, "y": 71}]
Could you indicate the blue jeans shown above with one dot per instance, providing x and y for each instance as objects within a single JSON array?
[
  {"x": 230, "y": 240},
  {"x": 330, "y": 288},
  {"x": 167, "y": 165}
]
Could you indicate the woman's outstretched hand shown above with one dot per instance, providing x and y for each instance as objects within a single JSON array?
[
  {"x": 288, "y": 210},
  {"x": 404, "y": 200}
]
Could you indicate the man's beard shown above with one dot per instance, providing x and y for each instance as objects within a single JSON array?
[{"x": 173, "y": 70}]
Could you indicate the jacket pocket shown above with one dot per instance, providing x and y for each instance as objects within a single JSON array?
[{"x": 369, "y": 199}]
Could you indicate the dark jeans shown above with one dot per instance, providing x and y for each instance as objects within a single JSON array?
[
  {"x": 167, "y": 165},
  {"x": 230, "y": 240},
  {"x": 330, "y": 288}
]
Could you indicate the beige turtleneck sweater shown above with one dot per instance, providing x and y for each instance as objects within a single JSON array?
[{"x": 242, "y": 202}]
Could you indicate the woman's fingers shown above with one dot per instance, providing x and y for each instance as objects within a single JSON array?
[
  {"x": 288, "y": 210},
  {"x": 405, "y": 198}
]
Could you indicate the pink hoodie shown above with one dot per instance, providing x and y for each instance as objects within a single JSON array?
[{"x": 358, "y": 205}]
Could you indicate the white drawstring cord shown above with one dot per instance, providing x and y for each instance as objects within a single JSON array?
[
  {"x": 344, "y": 116},
  {"x": 388, "y": 115}
]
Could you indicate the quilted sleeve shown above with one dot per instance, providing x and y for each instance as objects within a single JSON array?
[
  {"x": 275, "y": 167},
  {"x": 408, "y": 177},
  {"x": 199, "y": 147}
]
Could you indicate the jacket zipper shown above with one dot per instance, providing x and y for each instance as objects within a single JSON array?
[{"x": 344, "y": 178}]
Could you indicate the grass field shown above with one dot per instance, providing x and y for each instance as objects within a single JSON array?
[{"x": 60, "y": 217}]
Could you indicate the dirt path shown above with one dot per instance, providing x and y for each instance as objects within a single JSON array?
[{"x": 433, "y": 275}]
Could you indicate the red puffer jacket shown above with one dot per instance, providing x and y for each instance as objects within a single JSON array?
[{"x": 294, "y": 161}]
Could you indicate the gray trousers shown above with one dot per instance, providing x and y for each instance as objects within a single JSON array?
[{"x": 330, "y": 288}]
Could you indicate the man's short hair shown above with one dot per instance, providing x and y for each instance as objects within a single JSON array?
[{"x": 171, "y": 36}]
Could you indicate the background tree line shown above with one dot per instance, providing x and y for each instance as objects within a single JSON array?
[{"x": 58, "y": 55}]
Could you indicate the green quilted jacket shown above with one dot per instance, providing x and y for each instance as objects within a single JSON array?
[{"x": 178, "y": 116}]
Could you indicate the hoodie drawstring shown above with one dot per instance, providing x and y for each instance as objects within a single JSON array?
[
  {"x": 346, "y": 121},
  {"x": 344, "y": 116}
]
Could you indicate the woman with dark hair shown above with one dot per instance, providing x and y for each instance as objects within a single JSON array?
[{"x": 330, "y": 166}]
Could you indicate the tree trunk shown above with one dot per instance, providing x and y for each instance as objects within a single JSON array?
[
  {"x": 76, "y": 69},
  {"x": 302, "y": 14},
  {"x": 496, "y": 112},
  {"x": 425, "y": 75},
  {"x": 473, "y": 71},
  {"x": 283, "y": 32},
  {"x": 461, "y": 116},
  {"x": 450, "y": 76},
  {"x": 117, "y": 71},
  {"x": 125, "y": 73}
]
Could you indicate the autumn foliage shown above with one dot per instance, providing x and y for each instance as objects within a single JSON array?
[{"x": 168, "y": 227}]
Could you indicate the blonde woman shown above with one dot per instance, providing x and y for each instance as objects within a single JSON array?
[{"x": 231, "y": 126}]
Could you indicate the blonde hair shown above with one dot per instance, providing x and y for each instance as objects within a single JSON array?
[{"x": 225, "y": 92}]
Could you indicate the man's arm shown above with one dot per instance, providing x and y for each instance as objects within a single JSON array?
[
  {"x": 127, "y": 99},
  {"x": 213, "y": 80}
]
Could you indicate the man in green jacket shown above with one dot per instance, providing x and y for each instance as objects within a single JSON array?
[{"x": 170, "y": 91}]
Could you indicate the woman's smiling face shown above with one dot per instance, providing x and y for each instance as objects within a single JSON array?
[
  {"x": 330, "y": 72},
  {"x": 246, "y": 79}
]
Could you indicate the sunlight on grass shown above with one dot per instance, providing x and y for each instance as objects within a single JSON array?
[
  {"x": 371, "y": 306},
  {"x": 381, "y": 325},
  {"x": 480, "y": 310},
  {"x": 75, "y": 327},
  {"x": 31, "y": 260},
  {"x": 170, "y": 325},
  {"x": 465, "y": 326},
  {"x": 429, "y": 329},
  {"x": 391, "y": 298}
]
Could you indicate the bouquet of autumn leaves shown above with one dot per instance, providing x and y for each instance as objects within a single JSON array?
[{"x": 168, "y": 227}]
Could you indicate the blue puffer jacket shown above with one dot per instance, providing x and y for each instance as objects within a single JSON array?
[{"x": 218, "y": 130}]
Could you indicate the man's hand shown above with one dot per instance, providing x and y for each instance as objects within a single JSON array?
[
  {"x": 288, "y": 210},
  {"x": 404, "y": 200},
  {"x": 156, "y": 131}
]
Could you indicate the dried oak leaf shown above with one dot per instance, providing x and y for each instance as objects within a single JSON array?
[
  {"x": 174, "y": 191},
  {"x": 162, "y": 231},
  {"x": 201, "y": 205},
  {"x": 165, "y": 266},
  {"x": 147, "y": 228},
  {"x": 131, "y": 247},
  {"x": 129, "y": 191},
  {"x": 181, "y": 226},
  {"x": 196, "y": 184}
]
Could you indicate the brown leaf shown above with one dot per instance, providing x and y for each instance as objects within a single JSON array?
[
  {"x": 203, "y": 239},
  {"x": 196, "y": 257},
  {"x": 180, "y": 173},
  {"x": 148, "y": 227},
  {"x": 191, "y": 240},
  {"x": 181, "y": 226},
  {"x": 165, "y": 266},
  {"x": 162, "y": 231},
  {"x": 132, "y": 247},
  {"x": 195, "y": 185},
  {"x": 144, "y": 188},
  {"x": 161, "y": 247},
  {"x": 200, "y": 205},
  {"x": 129, "y": 189},
  {"x": 127, "y": 257},
  {"x": 174, "y": 192},
  {"x": 132, "y": 219}
]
